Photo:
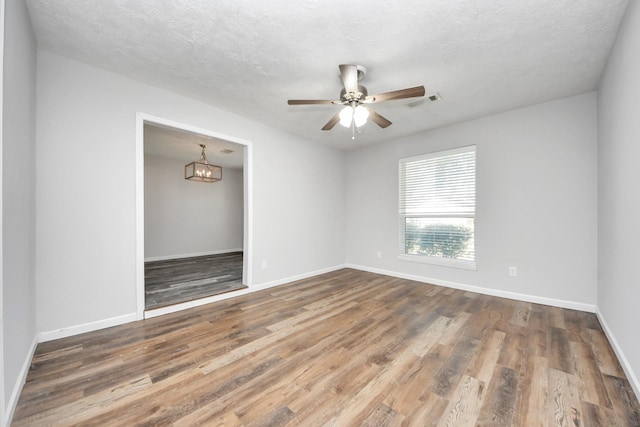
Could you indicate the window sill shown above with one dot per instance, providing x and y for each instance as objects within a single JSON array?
[{"x": 445, "y": 262}]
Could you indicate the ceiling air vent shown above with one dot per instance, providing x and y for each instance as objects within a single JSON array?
[{"x": 434, "y": 97}]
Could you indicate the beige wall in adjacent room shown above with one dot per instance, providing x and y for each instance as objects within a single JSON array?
[{"x": 183, "y": 218}]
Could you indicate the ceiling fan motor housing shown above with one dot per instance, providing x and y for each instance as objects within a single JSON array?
[{"x": 350, "y": 97}]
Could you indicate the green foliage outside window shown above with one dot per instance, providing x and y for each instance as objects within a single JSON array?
[{"x": 437, "y": 239}]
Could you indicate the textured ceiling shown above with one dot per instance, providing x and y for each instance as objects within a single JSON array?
[
  {"x": 249, "y": 57},
  {"x": 183, "y": 145}
]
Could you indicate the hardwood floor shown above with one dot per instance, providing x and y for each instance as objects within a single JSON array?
[
  {"x": 346, "y": 348},
  {"x": 178, "y": 280}
]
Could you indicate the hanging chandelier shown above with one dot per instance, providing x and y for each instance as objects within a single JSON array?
[{"x": 202, "y": 170}]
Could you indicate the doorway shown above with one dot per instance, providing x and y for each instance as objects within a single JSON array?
[{"x": 193, "y": 248}]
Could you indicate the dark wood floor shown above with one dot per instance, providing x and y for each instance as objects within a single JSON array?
[
  {"x": 346, "y": 348},
  {"x": 178, "y": 280}
]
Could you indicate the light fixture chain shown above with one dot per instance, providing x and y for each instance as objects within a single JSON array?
[{"x": 203, "y": 156}]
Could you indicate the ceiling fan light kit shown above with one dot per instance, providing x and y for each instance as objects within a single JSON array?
[
  {"x": 357, "y": 116},
  {"x": 353, "y": 96}
]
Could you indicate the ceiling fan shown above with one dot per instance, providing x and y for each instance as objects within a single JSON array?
[{"x": 355, "y": 97}]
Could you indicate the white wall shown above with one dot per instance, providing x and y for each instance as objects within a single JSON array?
[
  {"x": 619, "y": 197},
  {"x": 18, "y": 199},
  {"x": 86, "y": 223},
  {"x": 184, "y": 217},
  {"x": 536, "y": 201}
]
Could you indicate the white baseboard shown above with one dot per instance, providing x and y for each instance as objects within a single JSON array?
[
  {"x": 591, "y": 308},
  {"x": 254, "y": 288},
  {"x": 86, "y": 327},
  {"x": 17, "y": 387},
  {"x": 626, "y": 366},
  {"x": 191, "y": 255}
]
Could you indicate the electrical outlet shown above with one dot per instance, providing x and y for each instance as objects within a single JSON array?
[
  {"x": 513, "y": 271},
  {"x": 379, "y": 254},
  {"x": 264, "y": 265}
]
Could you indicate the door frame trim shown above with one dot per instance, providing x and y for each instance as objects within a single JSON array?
[{"x": 141, "y": 119}]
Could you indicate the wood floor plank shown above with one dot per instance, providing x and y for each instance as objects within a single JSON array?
[
  {"x": 498, "y": 407},
  {"x": 514, "y": 347},
  {"x": 483, "y": 322},
  {"x": 374, "y": 392},
  {"x": 523, "y": 395},
  {"x": 536, "y": 410},
  {"x": 464, "y": 405},
  {"x": 485, "y": 359},
  {"x": 411, "y": 391},
  {"x": 427, "y": 414},
  {"x": 597, "y": 416},
  {"x": 521, "y": 313},
  {"x": 334, "y": 392},
  {"x": 555, "y": 317},
  {"x": 383, "y": 415},
  {"x": 604, "y": 354},
  {"x": 624, "y": 401},
  {"x": 443, "y": 331},
  {"x": 448, "y": 376},
  {"x": 537, "y": 343},
  {"x": 560, "y": 357},
  {"x": 565, "y": 407},
  {"x": 538, "y": 318},
  {"x": 592, "y": 389},
  {"x": 575, "y": 325},
  {"x": 343, "y": 348}
]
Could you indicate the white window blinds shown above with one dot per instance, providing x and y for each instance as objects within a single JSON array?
[{"x": 437, "y": 207}]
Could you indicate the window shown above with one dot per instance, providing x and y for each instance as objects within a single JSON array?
[{"x": 437, "y": 207}]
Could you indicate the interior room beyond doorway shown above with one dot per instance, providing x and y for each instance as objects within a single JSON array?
[{"x": 193, "y": 229}]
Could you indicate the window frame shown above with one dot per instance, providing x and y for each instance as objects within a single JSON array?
[{"x": 402, "y": 217}]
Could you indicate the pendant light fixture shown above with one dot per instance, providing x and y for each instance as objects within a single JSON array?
[{"x": 202, "y": 170}]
